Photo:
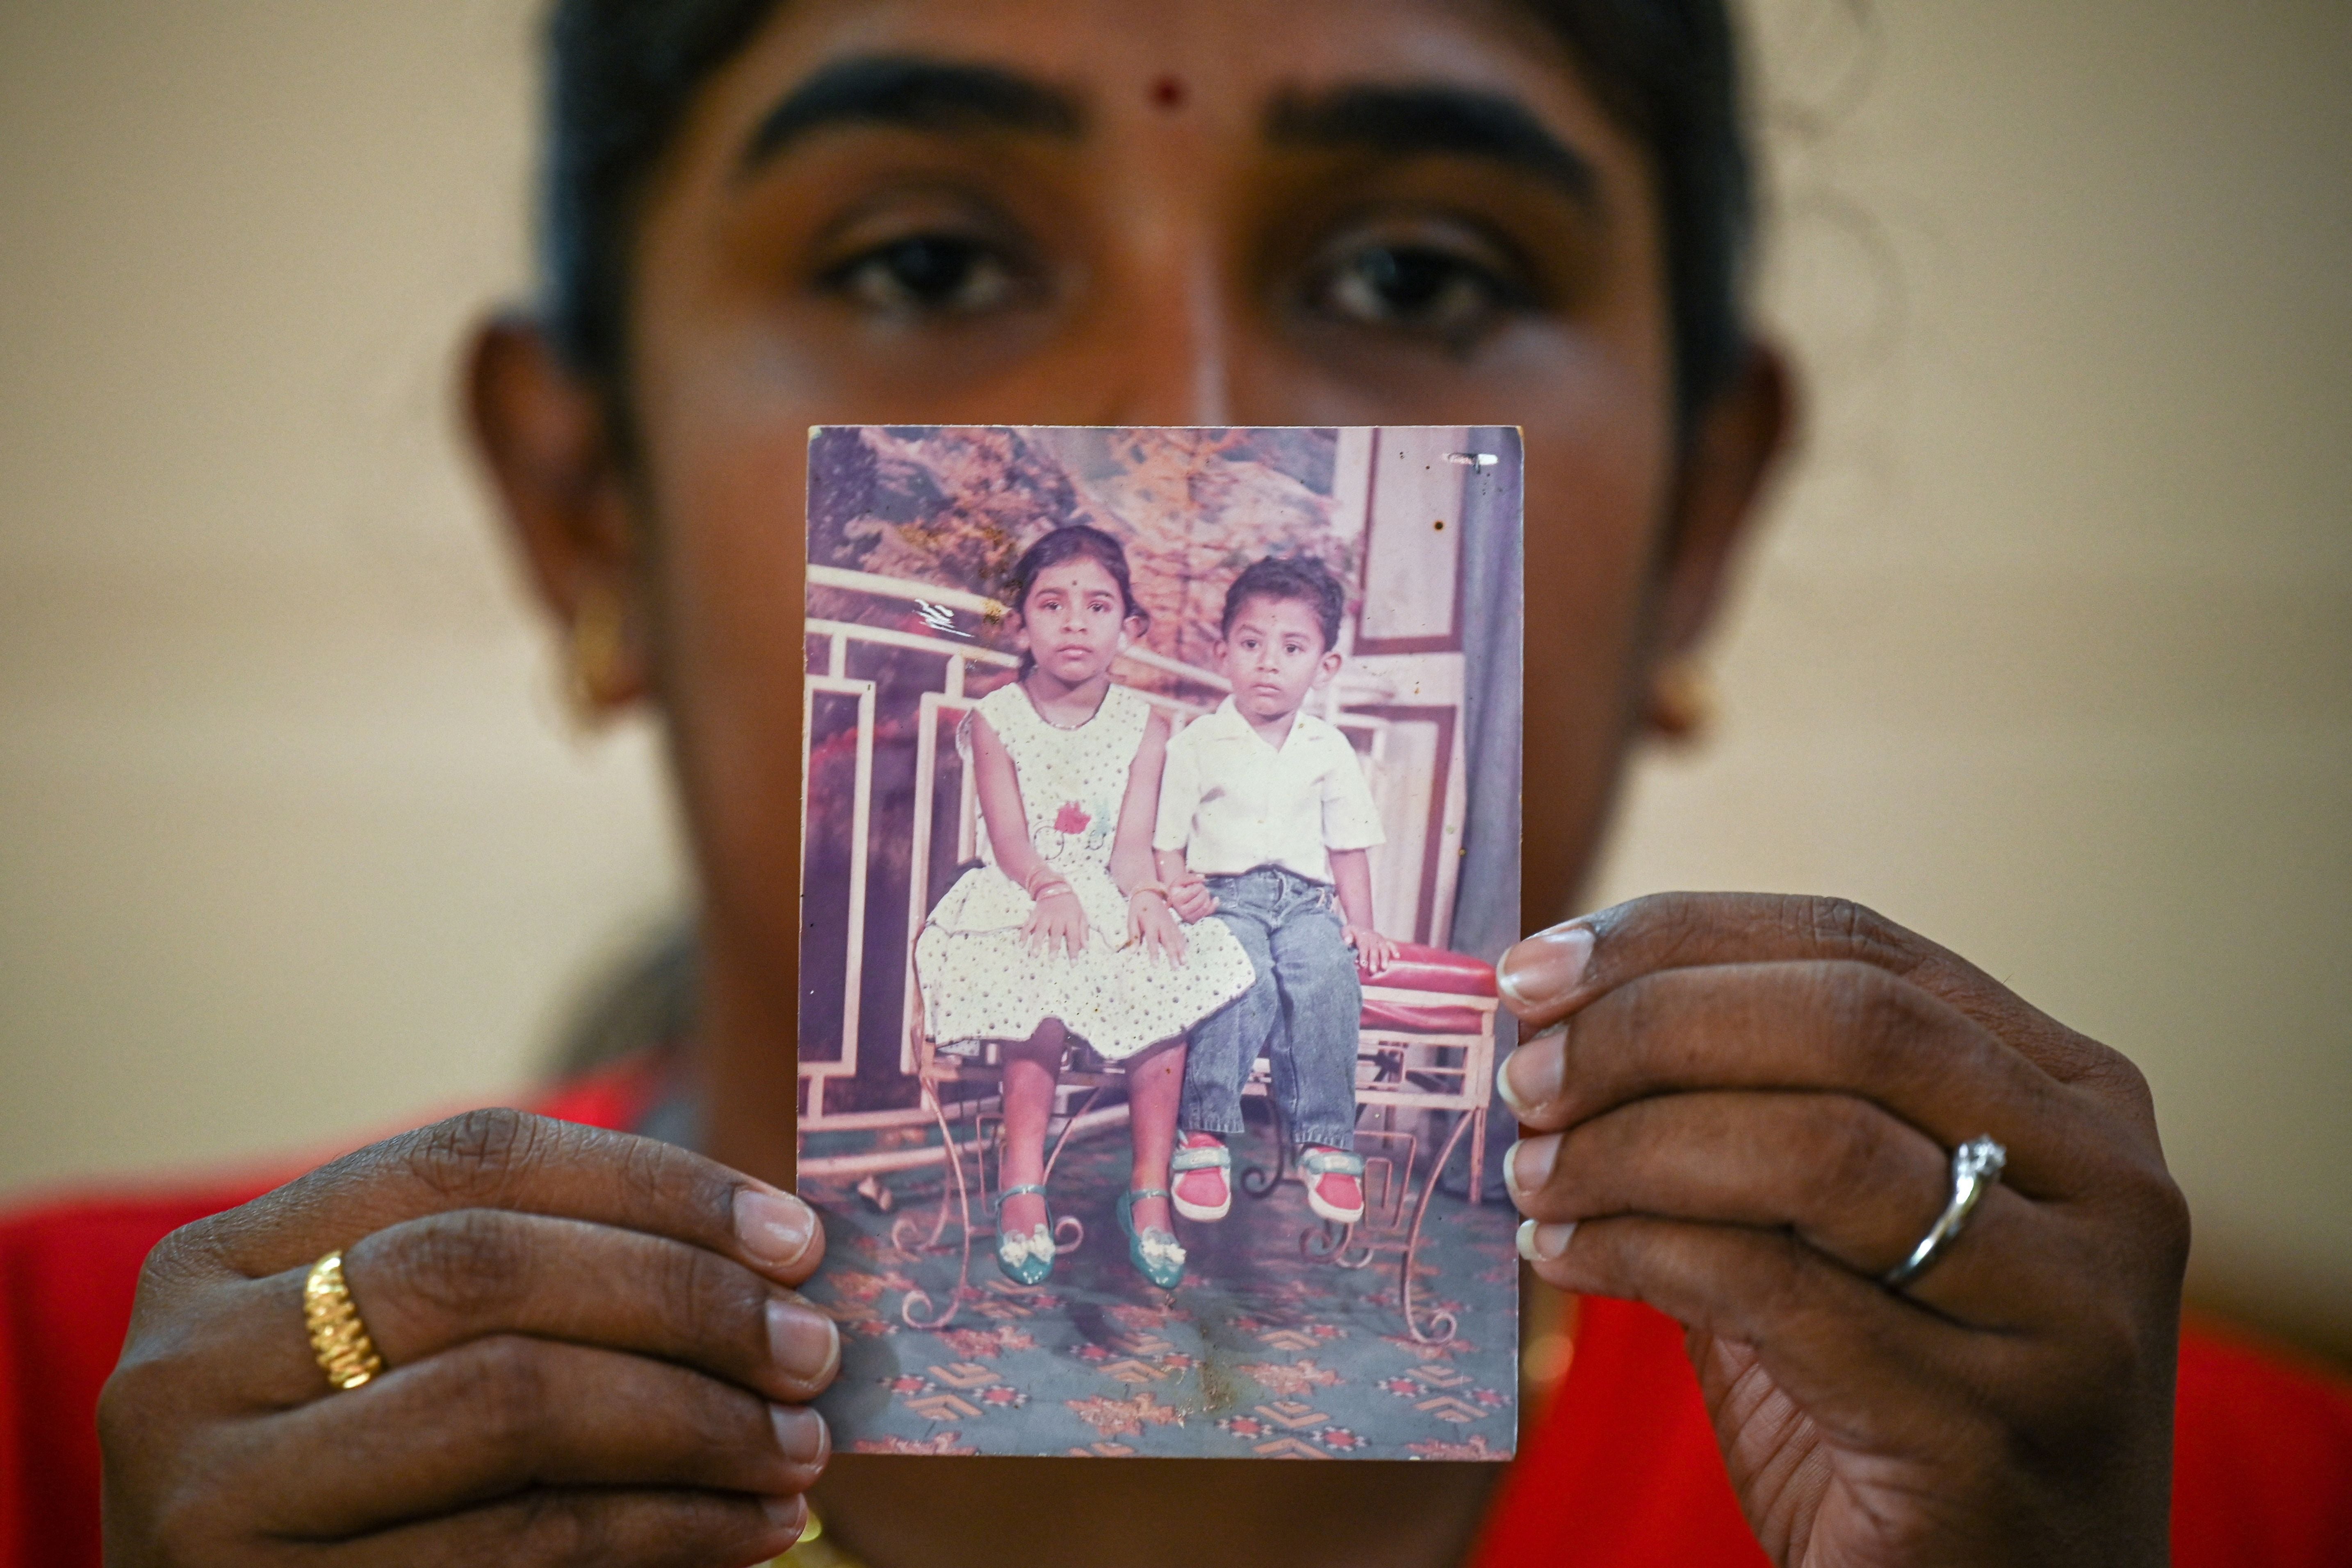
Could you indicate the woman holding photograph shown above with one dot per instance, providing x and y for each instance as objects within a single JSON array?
[
  {"x": 769, "y": 214},
  {"x": 1060, "y": 932}
]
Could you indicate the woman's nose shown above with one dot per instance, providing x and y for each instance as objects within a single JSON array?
[{"x": 1171, "y": 350}]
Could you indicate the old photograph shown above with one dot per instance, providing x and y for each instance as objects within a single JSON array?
[{"x": 1160, "y": 830}]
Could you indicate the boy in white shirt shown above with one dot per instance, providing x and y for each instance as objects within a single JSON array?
[{"x": 1264, "y": 821}]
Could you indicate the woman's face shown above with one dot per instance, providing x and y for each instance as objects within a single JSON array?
[{"x": 1202, "y": 212}]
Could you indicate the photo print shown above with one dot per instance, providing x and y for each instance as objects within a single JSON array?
[{"x": 1160, "y": 830}]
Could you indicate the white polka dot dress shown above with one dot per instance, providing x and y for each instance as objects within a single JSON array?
[{"x": 979, "y": 980}]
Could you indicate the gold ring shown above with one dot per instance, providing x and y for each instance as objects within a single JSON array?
[{"x": 337, "y": 1337}]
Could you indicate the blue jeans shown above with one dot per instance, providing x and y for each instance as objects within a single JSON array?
[{"x": 1302, "y": 1014}]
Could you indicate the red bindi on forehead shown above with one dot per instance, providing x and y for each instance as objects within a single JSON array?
[{"x": 1167, "y": 92}]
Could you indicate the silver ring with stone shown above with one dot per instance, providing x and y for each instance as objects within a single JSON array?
[{"x": 1976, "y": 1166}]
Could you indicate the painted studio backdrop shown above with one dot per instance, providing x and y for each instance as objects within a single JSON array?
[{"x": 1289, "y": 1335}]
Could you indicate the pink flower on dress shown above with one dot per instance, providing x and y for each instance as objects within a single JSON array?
[{"x": 1071, "y": 818}]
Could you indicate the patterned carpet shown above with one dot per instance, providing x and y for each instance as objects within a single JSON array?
[{"x": 1262, "y": 1352}]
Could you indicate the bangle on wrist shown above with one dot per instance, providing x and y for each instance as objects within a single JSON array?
[
  {"x": 1143, "y": 888},
  {"x": 1052, "y": 890}
]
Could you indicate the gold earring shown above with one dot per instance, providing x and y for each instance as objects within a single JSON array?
[
  {"x": 1682, "y": 699},
  {"x": 597, "y": 679}
]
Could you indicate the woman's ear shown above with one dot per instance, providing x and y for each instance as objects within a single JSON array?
[
  {"x": 546, "y": 438},
  {"x": 1724, "y": 472}
]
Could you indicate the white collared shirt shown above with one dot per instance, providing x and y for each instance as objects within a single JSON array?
[{"x": 1232, "y": 802}]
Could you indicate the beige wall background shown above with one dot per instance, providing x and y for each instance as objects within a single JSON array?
[{"x": 2048, "y": 654}]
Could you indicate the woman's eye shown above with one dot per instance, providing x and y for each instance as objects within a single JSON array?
[
  {"x": 926, "y": 274},
  {"x": 1417, "y": 288}
]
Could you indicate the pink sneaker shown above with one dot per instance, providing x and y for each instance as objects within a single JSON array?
[
  {"x": 1335, "y": 1183},
  {"x": 1202, "y": 1167}
]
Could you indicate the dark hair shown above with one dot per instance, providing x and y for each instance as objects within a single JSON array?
[
  {"x": 1668, "y": 71},
  {"x": 1074, "y": 541},
  {"x": 623, "y": 73},
  {"x": 1300, "y": 579}
]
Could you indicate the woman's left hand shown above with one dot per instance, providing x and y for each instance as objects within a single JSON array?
[
  {"x": 1151, "y": 922},
  {"x": 1745, "y": 1119}
]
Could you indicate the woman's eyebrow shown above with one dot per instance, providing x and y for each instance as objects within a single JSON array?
[
  {"x": 911, "y": 91},
  {"x": 1421, "y": 120}
]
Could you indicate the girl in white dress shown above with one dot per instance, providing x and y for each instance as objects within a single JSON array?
[{"x": 1061, "y": 934}]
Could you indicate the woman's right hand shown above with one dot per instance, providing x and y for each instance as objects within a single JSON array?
[
  {"x": 1059, "y": 922},
  {"x": 593, "y": 1355}
]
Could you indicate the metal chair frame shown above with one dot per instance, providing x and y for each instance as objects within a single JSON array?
[{"x": 1397, "y": 1068}]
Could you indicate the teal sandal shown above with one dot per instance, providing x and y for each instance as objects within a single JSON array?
[
  {"x": 1156, "y": 1254},
  {"x": 1025, "y": 1260}
]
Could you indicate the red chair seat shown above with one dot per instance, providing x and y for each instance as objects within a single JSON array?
[
  {"x": 1419, "y": 968},
  {"x": 1420, "y": 1020},
  {"x": 1430, "y": 970}
]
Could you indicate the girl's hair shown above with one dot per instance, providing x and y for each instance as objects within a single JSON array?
[
  {"x": 623, "y": 73},
  {"x": 1072, "y": 542}
]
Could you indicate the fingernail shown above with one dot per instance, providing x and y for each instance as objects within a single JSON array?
[
  {"x": 1542, "y": 1243},
  {"x": 787, "y": 1513},
  {"x": 1511, "y": 1096},
  {"x": 801, "y": 1433},
  {"x": 1527, "y": 1165},
  {"x": 1542, "y": 971},
  {"x": 774, "y": 1227},
  {"x": 804, "y": 1341},
  {"x": 1534, "y": 1073}
]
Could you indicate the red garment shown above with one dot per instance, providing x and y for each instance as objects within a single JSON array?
[{"x": 1623, "y": 1470}]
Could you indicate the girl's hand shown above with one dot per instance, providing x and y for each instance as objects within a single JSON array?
[
  {"x": 1190, "y": 898},
  {"x": 1745, "y": 1118},
  {"x": 1152, "y": 922},
  {"x": 1374, "y": 952},
  {"x": 592, "y": 1354},
  {"x": 1059, "y": 920}
]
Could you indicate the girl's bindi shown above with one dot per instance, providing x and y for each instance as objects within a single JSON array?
[{"x": 1167, "y": 92}]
